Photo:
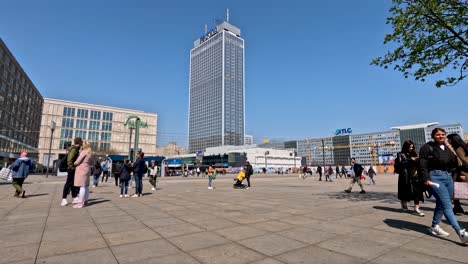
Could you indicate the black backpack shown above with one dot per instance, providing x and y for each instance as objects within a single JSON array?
[{"x": 63, "y": 165}]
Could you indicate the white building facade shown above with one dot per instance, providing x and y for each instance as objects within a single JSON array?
[{"x": 101, "y": 125}]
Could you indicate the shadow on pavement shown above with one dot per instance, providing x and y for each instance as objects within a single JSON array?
[
  {"x": 405, "y": 225},
  {"x": 92, "y": 202},
  {"x": 389, "y": 209},
  {"x": 33, "y": 195},
  {"x": 355, "y": 196}
]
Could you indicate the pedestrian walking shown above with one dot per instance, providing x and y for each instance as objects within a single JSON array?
[
  {"x": 153, "y": 174},
  {"x": 356, "y": 172},
  {"x": 338, "y": 172},
  {"x": 319, "y": 170},
  {"x": 20, "y": 171},
  {"x": 211, "y": 172},
  {"x": 72, "y": 155},
  {"x": 139, "y": 169},
  {"x": 81, "y": 181},
  {"x": 117, "y": 170},
  {"x": 410, "y": 184},
  {"x": 96, "y": 171},
  {"x": 248, "y": 173},
  {"x": 461, "y": 175},
  {"x": 105, "y": 169},
  {"x": 330, "y": 174},
  {"x": 371, "y": 173},
  {"x": 198, "y": 171},
  {"x": 437, "y": 159},
  {"x": 124, "y": 178}
]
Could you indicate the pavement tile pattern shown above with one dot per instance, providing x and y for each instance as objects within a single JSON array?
[{"x": 281, "y": 219}]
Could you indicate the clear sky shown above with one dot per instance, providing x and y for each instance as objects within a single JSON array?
[{"x": 307, "y": 62}]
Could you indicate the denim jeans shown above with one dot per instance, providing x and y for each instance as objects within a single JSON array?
[
  {"x": 96, "y": 179},
  {"x": 443, "y": 195},
  {"x": 123, "y": 187},
  {"x": 209, "y": 181},
  {"x": 139, "y": 184}
]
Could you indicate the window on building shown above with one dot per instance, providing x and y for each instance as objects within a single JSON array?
[
  {"x": 107, "y": 116},
  {"x": 105, "y": 136},
  {"x": 94, "y": 125},
  {"x": 66, "y": 133},
  {"x": 105, "y": 146},
  {"x": 82, "y": 124},
  {"x": 107, "y": 126},
  {"x": 95, "y": 115},
  {"x": 93, "y": 135},
  {"x": 80, "y": 133},
  {"x": 67, "y": 122},
  {"x": 82, "y": 113},
  {"x": 64, "y": 144},
  {"x": 68, "y": 111}
]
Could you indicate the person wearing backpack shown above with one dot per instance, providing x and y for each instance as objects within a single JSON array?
[
  {"x": 20, "y": 171},
  {"x": 461, "y": 175},
  {"x": 96, "y": 171},
  {"x": 140, "y": 169},
  {"x": 356, "y": 172},
  {"x": 125, "y": 171},
  {"x": 117, "y": 171},
  {"x": 437, "y": 159},
  {"x": 72, "y": 155}
]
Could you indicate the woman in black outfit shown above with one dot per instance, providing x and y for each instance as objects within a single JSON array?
[{"x": 410, "y": 185}]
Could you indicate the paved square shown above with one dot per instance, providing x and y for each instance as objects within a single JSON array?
[{"x": 281, "y": 219}]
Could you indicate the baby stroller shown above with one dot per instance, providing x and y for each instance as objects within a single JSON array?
[{"x": 240, "y": 177}]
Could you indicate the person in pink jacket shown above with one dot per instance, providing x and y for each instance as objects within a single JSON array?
[{"x": 83, "y": 164}]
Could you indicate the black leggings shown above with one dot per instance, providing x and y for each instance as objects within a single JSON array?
[
  {"x": 248, "y": 180},
  {"x": 116, "y": 177},
  {"x": 69, "y": 186}
]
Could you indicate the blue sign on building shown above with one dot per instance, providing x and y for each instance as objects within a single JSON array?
[{"x": 343, "y": 131}]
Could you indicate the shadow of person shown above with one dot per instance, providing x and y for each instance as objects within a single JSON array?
[{"x": 407, "y": 226}]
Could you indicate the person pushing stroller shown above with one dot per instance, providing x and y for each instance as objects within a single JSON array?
[{"x": 240, "y": 177}]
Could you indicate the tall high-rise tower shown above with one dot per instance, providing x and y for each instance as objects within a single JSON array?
[{"x": 216, "y": 106}]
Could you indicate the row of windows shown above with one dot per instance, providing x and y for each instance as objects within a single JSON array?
[
  {"x": 67, "y": 122},
  {"x": 83, "y": 113},
  {"x": 92, "y": 135},
  {"x": 95, "y": 146}
]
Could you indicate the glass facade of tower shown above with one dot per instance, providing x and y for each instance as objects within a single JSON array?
[{"x": 216, "y": 110}]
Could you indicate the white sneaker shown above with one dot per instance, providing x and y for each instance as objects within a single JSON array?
[
  {"x": 121, "y": 196},
  {"x": 463, "y": 236},
  {"x": 153, "y": 189},
  {"x": 75, "y": 200},
  {"x": 248, "y": 188},
  {"x": 64, "y": 202},
  {"x": 126, "y": 196},
  {"x": 135, "y": 195},
  {"x": 418, "y": 212},
  {"x": 211, "y": 188},
  {"x": 437, "y": 231}
]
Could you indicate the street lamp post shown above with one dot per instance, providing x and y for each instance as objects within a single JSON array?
[
  {"x": 323, "y": 153},
  {"x": 266, "y": 153},
  {"x": 52, "y": 129}
]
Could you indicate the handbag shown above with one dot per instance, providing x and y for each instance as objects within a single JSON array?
[{"x": 460, "y": 190}]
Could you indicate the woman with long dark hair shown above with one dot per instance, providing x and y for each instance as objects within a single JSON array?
[
  {"x": 461, "y": 175},
  {"x": 410, "y": 185},
  {"x": 437, "y": 160}
]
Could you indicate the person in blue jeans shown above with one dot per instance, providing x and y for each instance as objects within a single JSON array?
[
  {"x": 139, "y": 169},
  {"x": 437, "y": 159},
  {"x": 124, "y": 178},
  {"x": 96, "y": 171}
]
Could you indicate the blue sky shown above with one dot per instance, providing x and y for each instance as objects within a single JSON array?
[{"x": 307, "y": 62}]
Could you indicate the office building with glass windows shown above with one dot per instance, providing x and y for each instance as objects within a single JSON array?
[
  {"x": 101, "y": 125},
  {"x": 216, "y": 96},
  {"x": 20, "y": 110}
]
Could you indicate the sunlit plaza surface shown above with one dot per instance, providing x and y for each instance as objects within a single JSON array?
[{"x": 281, "y": 219}]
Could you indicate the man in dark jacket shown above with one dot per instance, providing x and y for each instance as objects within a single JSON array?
[
  {"x": 248, "y": 173},
  {"x": 357, "y": 171},
  {"x": 139, "y": 169},
  {"x": 72, "y": 155},
  {"x": 319, "y": 171},
  {"x": 20, "y": 171}
]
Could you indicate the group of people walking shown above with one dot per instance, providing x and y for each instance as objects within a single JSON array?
[{"x": 440, "y": 162}]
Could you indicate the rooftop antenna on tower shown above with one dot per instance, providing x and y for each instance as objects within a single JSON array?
[
  {"x": 206, "y": 28},
  {"x": 227, "y": 15}
]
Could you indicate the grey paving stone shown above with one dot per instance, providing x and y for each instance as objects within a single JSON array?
[
  {"x": 405, "y": 256},
  {"x": 18, "y": 253},
  {"x": 18, "y": 237},
  {"x": 177, "y": 229},
  {"x": 179, "y": 258},
  {"x": 215, "y": 223},
  {"x": 307, "y": 235},
  {"x": 162, "y": 222},
  {"x": 383, "y": 237},
  {"x": 226, "y": 254},
  {"x": 364, "y": 249},
  {"x": 152, "y": 249},
  {"x": 58, "y": 247},
  {"x": 102, "y": 256},
  {"x": 273, "y": 226},
  {"x": 441, "y": 249},
  {"x": 299, "y": 220},
  {"x": 271, "y": 245},
  {"x": 130, "y": 236},
  {"x": 267, "y": 261},
  {"x": 240, "y": 232},
  {"x": 317, "y": 256},
  {"x": 118, "y": 226},
  {"x": 110, "y": 219},
  {"x": 197, "y": 241}
]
